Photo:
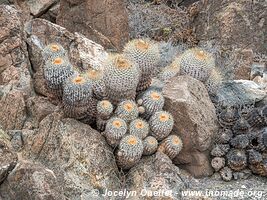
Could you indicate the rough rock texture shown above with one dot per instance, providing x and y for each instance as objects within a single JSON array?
[
  {"x": 104, "y": 22},
  {"x": 15, "y": 79},
  {"x": 79, "y": 156},
  {"x": 195, "y": 122},
  {"x": 238, "y": 92},
  {"x": 155, "y": 174},
  {"x": 8, "y": 159},
  {"x": 38, "y": 7},
  {"x": 31, "y": 181},
  {"x": 83, "y": 53},
  {"x": 234, "y": 23},
  {"x": 238, "y": 27},
  {"x": 38, "y": 108},
  {"x": 158, "y": 22},
  {"x": 13, "y": 110}
]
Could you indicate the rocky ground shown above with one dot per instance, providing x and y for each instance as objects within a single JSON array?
[{"x": 46, "y": 156}]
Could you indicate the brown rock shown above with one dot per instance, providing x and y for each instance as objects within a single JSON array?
[
  {"x": 195, "y": 122},
  {"x": 38, "y": 7},
  {"x": 13, "y": 110},
  {"x": 8, "y": 159},
  {"x": 96, "y": 20},
  {"x": 154, "y": 174},
  {"x": 238, "y": 24},
  {"x": 38, "y": 108},
  {"x": 31, "y": 181},
  {"x": 243, "y": 70},
  {"x": 79, "y": 156},
  {"x": 14, "y": 64}
]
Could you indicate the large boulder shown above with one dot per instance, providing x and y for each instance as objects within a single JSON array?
[
  {"x": 155, "y": 177},
  {"x": 78, "y": 154},
  {"x": 31, "y": 181},
  {"x": 195, "y": 122},
  {"x": 104, "y": 22},
  {"x": 238, "y": 27},
  {"x": 83, "y": 52},
  {"x": 15, "y": 78},
  {"x": 239, "y": 24}
]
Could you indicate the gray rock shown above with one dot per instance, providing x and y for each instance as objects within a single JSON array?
[
  {"x": 31, "y": 181},
  {"x": 195, "y": 122},
  {"x": 38, "y": 7},
  {"x": 79, "y": 156},
  {"x": 155, "y": 174}
]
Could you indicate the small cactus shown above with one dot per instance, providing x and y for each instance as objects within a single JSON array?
[
  {"x": 161, "y": 124},
  {"x": 56, "y": 72},
  {"x": 121, "y": 78},
  {"x": 127, "y": 110},
  {"x": 77, "y": 90},
  {"x": 116, "y": 128},
  {"x": 139, "y": 128},
  {"x": 171, "y": 146},
  {"x": 104, "y": 109},
  {"x": 214, "y": 81},
  {"x": 129, "y": 151},
  {"x": 169, "y": 72},
  {"x": 236, "y": 159},
  {"x": 150, "y": 145},
  {"x": 98, "y": 84},
  {"x": 153, "y": 102},
  {"x": 52, "y": 51},
  {"x": 146, "y": 54},
  {"x": 196, "y": 63},
  {"x": 226, "y": 174},
  {"x": 217, "y": 163}
]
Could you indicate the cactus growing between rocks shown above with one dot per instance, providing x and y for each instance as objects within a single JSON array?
[
  {"x": 139, "y": 128},
  {"x": 116, "y": 128},
  {"x": 161, "y": 124},
  {"x": 150, "y": 145},
  {"x": 127, "y": 110},
  {"x": 171, "y": 146},
  {"x": 98, "y": 84},
  {"x": 196, "y": 63},
  {"x": 146, "y": 54},
  {"x": 129, "y": 151},
  {"x": 52, "y": 51},
  {"x": 121, "y": 78}
]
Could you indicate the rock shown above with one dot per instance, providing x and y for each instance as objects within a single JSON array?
[
  {"x": 52, "y": 13},
  {"x": 79, "y": 156},
  {"x": 14, "y": 62},
  {"x": 13, "y": 110},
  {"x": 38, "y": 7},
  {"x": 243, "y": 70},
  {"x": 38, "y": 108},
  {"x": 83, "y": 53},
  {"x": 158, "y": 21},
  {"x": 155, "y": 174},
  {"x": 31, "y": 181},
  {"x": 234, "y": 24},
  {"x": 195, "y": 122},
  {"x": 104, "y": 22},
  {"x": 239, "y": 92},
  {"x": 8, "y": 159}
]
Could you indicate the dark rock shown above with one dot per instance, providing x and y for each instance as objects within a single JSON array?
[
  {"x": 79, "y": 156},
  {"x": 195, "y": 122},
  {"x": 104, "y": 22},
  {"x": 31, "y": 181}
]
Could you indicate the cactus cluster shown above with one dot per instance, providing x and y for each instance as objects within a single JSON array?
[
  {"x": 118, "y": 99},
  {"x": 241, "y": 145}
]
